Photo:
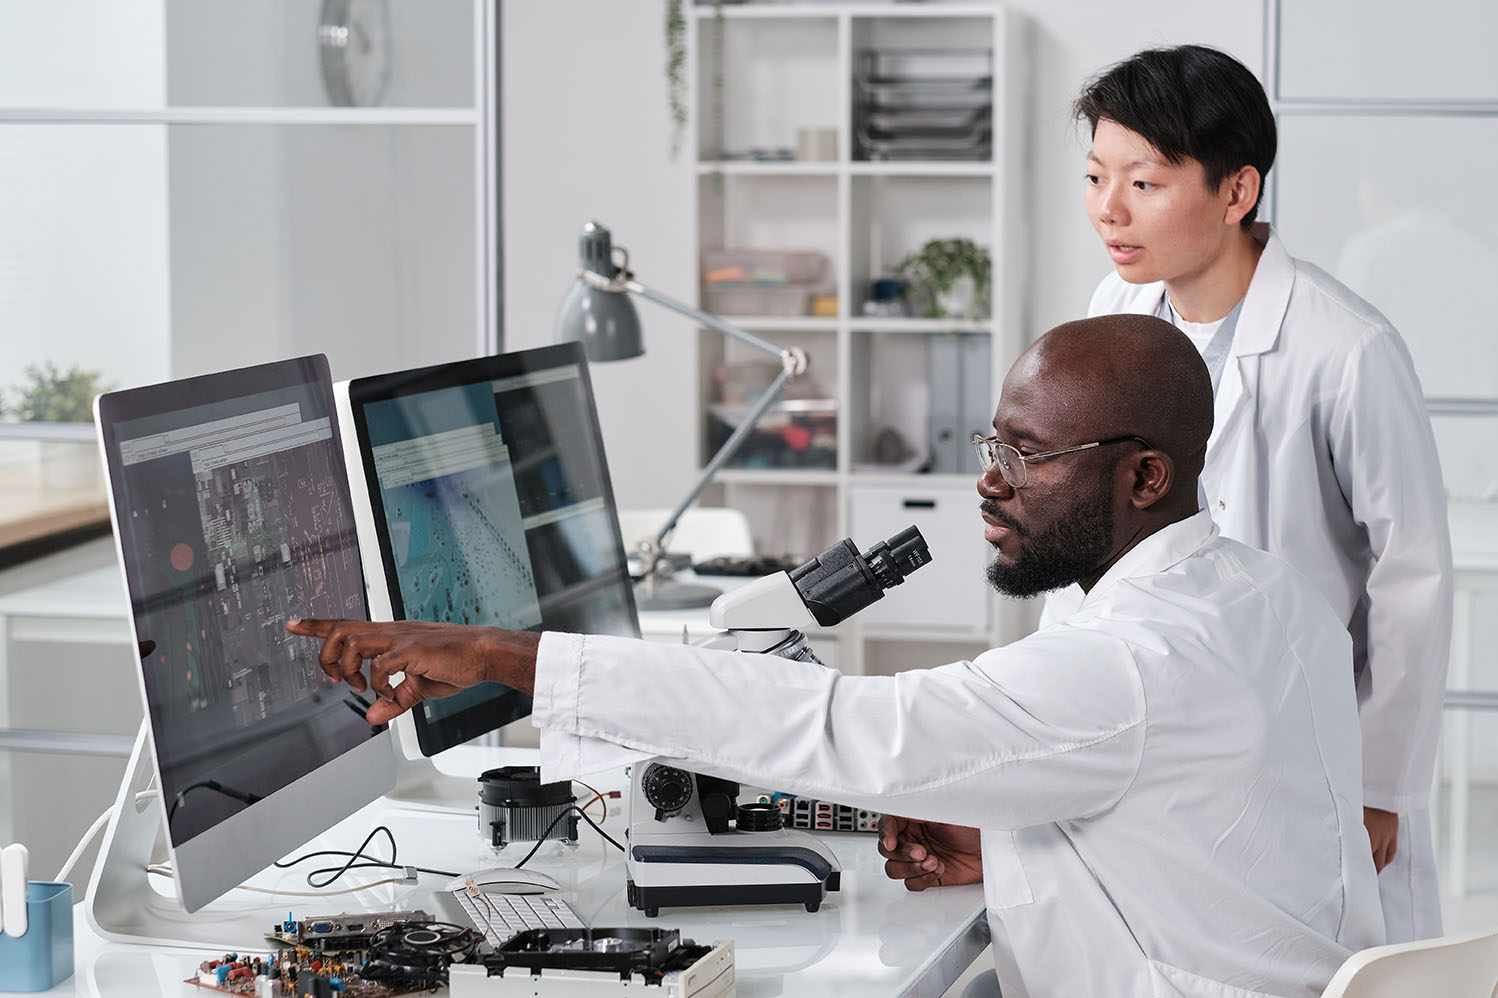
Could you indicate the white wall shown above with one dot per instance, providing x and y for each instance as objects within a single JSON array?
[{"x": 586, "y": 136}]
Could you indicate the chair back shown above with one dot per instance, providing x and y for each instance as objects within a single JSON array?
[{"x": 1449, "y": 967}]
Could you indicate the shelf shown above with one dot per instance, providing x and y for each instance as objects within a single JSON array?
[
  {"x": 776, "y": 476},
  {"x": 856, "y": 168},
  {"x": 768, "y": 168},
  {"x": 921, "y": 168},
  {"x": 791, "y": 67},
  {"x": 877, "y": 325},
  {"x": 246, "y": 116},
  {"x": 782, "y": 323},
  {"x": 902, "y": 480},
  {"x": 812, "y": 11},
  {"x": 763, "y": 12}
]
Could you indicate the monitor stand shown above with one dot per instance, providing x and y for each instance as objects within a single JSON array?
[
  {"x": 122, "y": 904},
  {"x": 420, "y": 785}
]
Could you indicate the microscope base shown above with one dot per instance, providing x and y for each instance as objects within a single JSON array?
[{"x": 651, "y": 900}]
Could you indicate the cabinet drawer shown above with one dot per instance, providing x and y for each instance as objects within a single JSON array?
[{"x": 951, "y": 593}]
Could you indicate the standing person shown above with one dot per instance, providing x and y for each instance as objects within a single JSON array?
[
  {"x": 1322, "y": 450},
  {"x": 1167, "y": 792}
]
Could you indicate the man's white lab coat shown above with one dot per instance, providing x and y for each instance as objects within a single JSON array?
[
  {"x": 1322, "y": 453},
  {"x": 1168, "y": 788}
]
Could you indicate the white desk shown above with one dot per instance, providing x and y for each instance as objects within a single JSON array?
[{"x": 872, "y": 938}]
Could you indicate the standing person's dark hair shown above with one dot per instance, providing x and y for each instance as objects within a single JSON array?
[{"x": 1189, "y": 102}]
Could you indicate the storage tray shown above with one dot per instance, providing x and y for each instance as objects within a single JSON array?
[
  {"x": 928, "y": 144},
  {"x": 763, "y": 282}
]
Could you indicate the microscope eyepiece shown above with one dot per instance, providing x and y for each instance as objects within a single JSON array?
[
  {"x": 839, "y": 582},
  {"x": 897, "y": 557}
]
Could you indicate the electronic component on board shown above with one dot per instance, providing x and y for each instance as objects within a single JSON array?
[{"x": 344, "y": 931}]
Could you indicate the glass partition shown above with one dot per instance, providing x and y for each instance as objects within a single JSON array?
[
  {"x": 155, "y": 54},
  {"x": 1387, "y": 49}
]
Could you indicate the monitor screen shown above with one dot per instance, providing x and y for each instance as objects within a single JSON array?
[
  {"x": 232, "y": 515},
  {"x": 491, "y": 505}
]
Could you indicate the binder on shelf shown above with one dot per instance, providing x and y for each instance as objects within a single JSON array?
[
  {"x": 943, "y": 385},
  {"x": 977, "y": 397}
]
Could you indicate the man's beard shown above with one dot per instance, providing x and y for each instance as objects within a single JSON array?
[{"x": 1070, "y": 549}]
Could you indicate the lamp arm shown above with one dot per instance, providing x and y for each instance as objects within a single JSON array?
[
  {"x": 745, "y": 427},
  {"x": 711, "y": 321},
  {"x": 793, "y": 363}
]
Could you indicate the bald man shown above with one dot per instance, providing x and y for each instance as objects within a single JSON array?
[{"x": 1165, "y": 799}]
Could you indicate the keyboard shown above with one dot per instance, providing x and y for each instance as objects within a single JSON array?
[
  {"x": 499, "y": 917},
  {"x": 749, "y": 566}
]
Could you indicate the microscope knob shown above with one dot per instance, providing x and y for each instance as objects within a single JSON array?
[{"x": 667, "y": 788}]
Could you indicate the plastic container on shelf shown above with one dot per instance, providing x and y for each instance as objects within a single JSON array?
[
  {"x": 793, "y": 433},
  {"x": 790, "y": 299},
  {"x": 763, "y": 282}
]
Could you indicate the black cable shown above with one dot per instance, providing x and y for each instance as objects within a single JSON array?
[
  {"x": 371, "y": 861},
  {"x": 599, "y": 829},
  {"x": 567, "y": 812},
  {"x": 243, "y": 796},
  {"x": 374, "y": 862}
]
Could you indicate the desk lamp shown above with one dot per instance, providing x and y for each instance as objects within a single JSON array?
[{"x": 598, "y": 313}]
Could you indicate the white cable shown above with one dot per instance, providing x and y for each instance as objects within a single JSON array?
[
  {"x": 166, "y": 871},
  {"x": 88, "y": 836}
]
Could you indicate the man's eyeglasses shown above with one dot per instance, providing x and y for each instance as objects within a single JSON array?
[{"x": 1015, "y": 467}]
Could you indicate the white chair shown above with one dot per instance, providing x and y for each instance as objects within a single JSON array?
[
  {"x": 703, "y": 531},
  {"x": 1449, "y": 967}
]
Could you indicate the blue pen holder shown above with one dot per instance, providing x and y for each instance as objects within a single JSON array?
[{"x": 43, "y": 957}]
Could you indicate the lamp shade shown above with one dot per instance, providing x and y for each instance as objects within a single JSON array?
[{"x": 603, "y": 321}]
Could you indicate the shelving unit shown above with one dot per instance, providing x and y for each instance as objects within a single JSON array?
[{"x": 787, "y": 68}]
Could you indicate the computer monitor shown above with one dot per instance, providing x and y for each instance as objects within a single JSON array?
[
  {"x": 482, "y": 489},
  {"x": 231, "y": 513}
]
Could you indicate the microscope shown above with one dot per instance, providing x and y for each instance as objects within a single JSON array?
[{"x": 691, "y": 843}]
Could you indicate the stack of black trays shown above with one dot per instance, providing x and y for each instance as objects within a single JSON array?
[{"x": 923, "y": 104}]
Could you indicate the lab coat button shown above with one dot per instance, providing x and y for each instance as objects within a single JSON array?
[{"x": 1221, "y": 504}]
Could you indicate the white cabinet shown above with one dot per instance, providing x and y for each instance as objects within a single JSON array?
[
  {"x": 945, "y": 599},
  {"x": 783, "y": 163}
]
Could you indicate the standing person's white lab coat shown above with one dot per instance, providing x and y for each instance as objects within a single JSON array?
[
  {"x": 1322, "y": 453},
  {"x": 1168, "y": 793}
]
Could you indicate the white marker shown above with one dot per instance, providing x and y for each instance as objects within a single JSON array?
[{"x": 13, "y": 889}]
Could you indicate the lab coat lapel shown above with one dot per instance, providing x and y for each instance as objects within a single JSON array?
[{"x": 1257, "y": 332}]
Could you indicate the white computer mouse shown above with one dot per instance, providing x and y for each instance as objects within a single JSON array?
[{"x": 506, "y": 880}]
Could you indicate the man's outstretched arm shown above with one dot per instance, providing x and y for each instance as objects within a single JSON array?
[{"x": 438, "y": 660}]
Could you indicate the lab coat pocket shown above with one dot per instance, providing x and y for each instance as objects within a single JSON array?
[
  {"x": 1173, "y": 982},
  {"x": 1005, "y": 884}
]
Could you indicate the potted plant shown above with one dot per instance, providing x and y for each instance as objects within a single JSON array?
[
  {"x": 676, "y": 77},
  {"x": 51, "y": 396},
  {"x": 54, "y": 397},
  {"x": 949, "y": 279}
]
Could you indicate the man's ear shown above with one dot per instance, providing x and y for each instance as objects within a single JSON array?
[
  {"x": 1242, "y": 189},
  {"x": 1153, "y": 475}
]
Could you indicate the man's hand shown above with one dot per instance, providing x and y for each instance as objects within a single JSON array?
[
  {"x": 438, "y": 659},
  {"x": 1383, "y": 833},
  {"x": 929, "y": 853}
]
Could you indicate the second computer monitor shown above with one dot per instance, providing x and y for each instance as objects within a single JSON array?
[{"x": 489, "y": 498}]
